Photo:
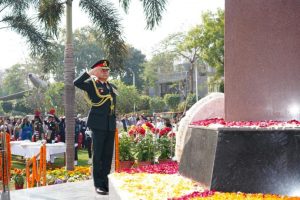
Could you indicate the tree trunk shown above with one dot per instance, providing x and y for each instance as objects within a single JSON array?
[{"x": 69, "y": 100}]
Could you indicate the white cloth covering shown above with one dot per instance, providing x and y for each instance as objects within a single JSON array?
[{"x": 28, "y": 149}]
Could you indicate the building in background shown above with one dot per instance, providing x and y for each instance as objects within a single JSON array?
[{"x": 177, "y": 81}]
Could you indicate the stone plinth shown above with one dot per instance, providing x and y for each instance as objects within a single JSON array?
[
  {"x": 211, "y": 106},
  {"x": 262, "y": 56},
  {"x": 243, "y": 159}
]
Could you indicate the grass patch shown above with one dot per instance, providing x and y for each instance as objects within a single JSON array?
[{"x": 20, "y": 163}]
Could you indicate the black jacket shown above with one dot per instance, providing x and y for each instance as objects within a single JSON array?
[{"x": 102, "y": 117}]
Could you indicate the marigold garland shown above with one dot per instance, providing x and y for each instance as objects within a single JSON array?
[
  {"x": 117, "y": 160},
  {"x": 41, "y": 176},
  {"x": 37, "y": 174},
  {"x": 33, "y": 177},
  {"x": 7, "y": 167}
]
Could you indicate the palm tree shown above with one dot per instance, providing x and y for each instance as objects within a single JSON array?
[
  {"x": 13, "y": 17},
  {"x": 105, "y": 17}
]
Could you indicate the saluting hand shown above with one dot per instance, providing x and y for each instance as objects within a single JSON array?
[{"x": 93, "y": 72}]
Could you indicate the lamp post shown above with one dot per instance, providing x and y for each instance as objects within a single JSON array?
[
  {"x": 196, "y": 79},
  {"x": 133, "y": 83}
]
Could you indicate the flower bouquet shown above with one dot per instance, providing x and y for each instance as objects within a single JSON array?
[{"x": 19, "y": 178}]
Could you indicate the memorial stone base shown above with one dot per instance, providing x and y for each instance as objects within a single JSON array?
[{"x": 249, "y": 160}]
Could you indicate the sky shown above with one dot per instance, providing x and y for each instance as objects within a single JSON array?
[{"x": 180, "y": 15}]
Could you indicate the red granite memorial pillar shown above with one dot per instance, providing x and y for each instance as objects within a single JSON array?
[{"x": 262, "y": 60}]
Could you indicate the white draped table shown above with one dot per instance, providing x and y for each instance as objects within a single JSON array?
[{"x": 28, "y": 149}]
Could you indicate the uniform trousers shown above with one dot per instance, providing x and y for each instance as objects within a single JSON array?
[{"x": 103, "y": 146}]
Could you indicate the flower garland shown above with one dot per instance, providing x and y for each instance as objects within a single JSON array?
[
  {"x": 36, "y": 174},
  {"x": 7, "y": 167},
  {"x": 42, "y": 166},
  {"x": 117, "y": 159}
]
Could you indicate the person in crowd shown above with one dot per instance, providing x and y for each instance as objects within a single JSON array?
[
  {"x": 88, "y": 145},
  {"x": 82, "y": 131},
  {"x": 9, "y": 126},
  {"x": 26, "y": 129},
  {"x": 52, "y": 126},
  {"x": 17, "y": 130},
  {"x": 159, "y": 123},
  {"x": 119, "y": 124},
  {"x": 62, "y": 127},
  {"x": 77, "y": 132},
  {"x": 168, "y": 123},
  {"x": 125, "y": 122},
  {"x": 132, "y": 120},
  {"x": 38, "y": 130},
  {"x": 101, "y": 120},
  {"x": 140, "y": 120}
]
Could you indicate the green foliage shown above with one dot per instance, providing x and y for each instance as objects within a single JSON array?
[
  {"x": 188, "y": 103},
  {"x": 191, "y": 100},
  {"x": 221, "y": 87},
  {"x": 21, "y": 106},
  {"x": 128, "y": 96},
  {"x": 87, "y": 49},
  {"x": 172, "y": 100},
  {"x": 133, "y": 63},
  {"x": 143, "y": 150},
  {"x": 125, "y": 147},
  {"x": 81, "y": 106},
  {"x": 144, "y": 103},
  {"x": 157, "y": 104},
  {"x": 104, "y": 16},
  {"x": 211, "y": 40},
  {"x": 15, "y": 17},
  {"x": 7, "y": 106},
  {"x": 181, "y": 106},
  {"x": 158, "y": 65},
  {"x": 50, "y": 13},
  {"x": 167, "y": 147},
  {"x": 18, "y": 176},
  {"x": 36, "y": 100},
  {"x": 54, "y": 97},
  {"x": 14, "y": 79},
  {"x": 150, "y": 75},
  {"x": 1, "y": 109}
]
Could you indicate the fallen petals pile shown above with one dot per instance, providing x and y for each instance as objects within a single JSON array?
[
  {"x": 239, "y": 196},
  {"x": 154, "y": 186},
  {"x": 162, "y": 182},
  {"x": 166, "y": 168},
  {"x": 219, "y": 122}
]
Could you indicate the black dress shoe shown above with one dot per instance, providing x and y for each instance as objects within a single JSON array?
[{"x": 102, "y": 190}]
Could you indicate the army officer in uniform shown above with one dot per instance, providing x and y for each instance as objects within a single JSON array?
[{"x": 101, "y": 95}]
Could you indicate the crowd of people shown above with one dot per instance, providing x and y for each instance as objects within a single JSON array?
[
  {"x": 52, "y": 128},
  {"x": 49, "y": 128},
  {"x": 125, "y": 122}
]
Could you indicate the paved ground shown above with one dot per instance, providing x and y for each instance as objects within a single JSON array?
[{"x": 83, "y": 190}]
